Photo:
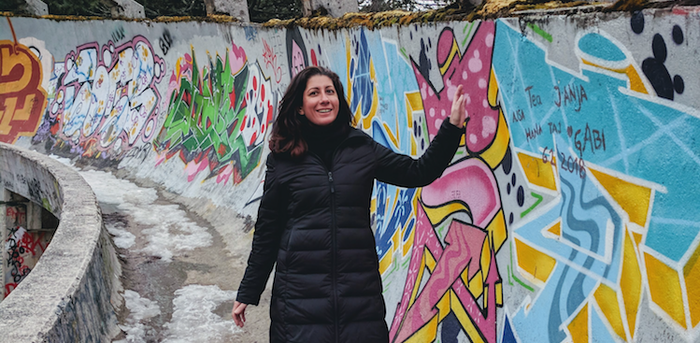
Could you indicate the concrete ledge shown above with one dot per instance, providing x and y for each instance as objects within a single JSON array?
[{"x": 71, "y": 294}]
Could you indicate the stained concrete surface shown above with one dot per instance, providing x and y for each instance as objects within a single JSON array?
[{"x": 158, "y": 280}]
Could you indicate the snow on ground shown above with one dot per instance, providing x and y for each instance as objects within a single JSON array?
[
  {"x": 169, "y": 231},
  {"x": 122, "y": 238},
  {"x": 193, "y": 319},
  {"x": 140, "y": 310}
]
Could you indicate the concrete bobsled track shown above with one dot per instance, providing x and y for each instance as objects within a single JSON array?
[
  {"x": 569, "y": 214},
  {"x": 69, "y": 296}
]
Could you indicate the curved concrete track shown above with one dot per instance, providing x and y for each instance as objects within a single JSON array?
[
  {"x": 180, "y": 272},
  {"x": 70, "y": 293}
]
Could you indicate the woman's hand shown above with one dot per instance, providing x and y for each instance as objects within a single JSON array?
[
  {"x": 238, "y": 313},
  {"x": 459, "y": 113}
]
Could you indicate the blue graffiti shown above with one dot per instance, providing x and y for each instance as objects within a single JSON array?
[{"x": 608, "y": 125}]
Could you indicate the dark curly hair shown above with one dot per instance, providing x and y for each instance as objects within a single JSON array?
[{"x": 287, "y": 130}]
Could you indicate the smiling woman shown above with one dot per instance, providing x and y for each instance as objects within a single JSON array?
[
  {"x": 320, "y": 101},
  {"x": 314, "y": 221}
]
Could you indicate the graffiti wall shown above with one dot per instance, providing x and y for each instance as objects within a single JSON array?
[
  {"x": 22, "y": 248},
  {"x": 569, "y": 213}
]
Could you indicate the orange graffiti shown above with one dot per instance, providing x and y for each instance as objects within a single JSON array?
[{"x": 22, "y": 99}]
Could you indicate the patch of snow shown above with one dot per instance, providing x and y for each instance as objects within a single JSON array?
[{"x": 194, "y": 320}]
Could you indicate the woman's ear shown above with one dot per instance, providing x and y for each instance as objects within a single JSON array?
[{"x": 300, "y": 111}]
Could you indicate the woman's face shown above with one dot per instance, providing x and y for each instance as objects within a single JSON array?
[{"x": 320, "y": 104}]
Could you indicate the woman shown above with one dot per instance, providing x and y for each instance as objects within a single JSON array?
[{"x": 314, "y": 218}]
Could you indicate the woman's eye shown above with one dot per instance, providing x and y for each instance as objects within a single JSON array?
[
  {"x": 330, "y": 91},
  {"x": 312, "y": 93}
]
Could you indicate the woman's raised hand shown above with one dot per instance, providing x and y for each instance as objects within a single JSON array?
[
  {"x": 459, "y": 113},
  {"x": 238, "y": 313}
]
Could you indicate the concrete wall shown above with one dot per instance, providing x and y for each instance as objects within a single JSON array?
[
  {"x": 71, "y": 293},
  {"x": 25, "y": 239},
  {"x": 569, "y": 214}
]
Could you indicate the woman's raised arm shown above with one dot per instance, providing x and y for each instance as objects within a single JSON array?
[{"x": 405, "y": 171}]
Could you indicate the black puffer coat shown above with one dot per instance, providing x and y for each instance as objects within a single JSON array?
[{"x": 315, "y": 223}]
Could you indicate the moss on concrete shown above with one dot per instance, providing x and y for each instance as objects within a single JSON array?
[{"x": 489, "y": 9}]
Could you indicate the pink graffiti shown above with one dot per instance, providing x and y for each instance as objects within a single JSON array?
[
  {"x": 472, "y": 70},
  {"x": 182, "y": 70},
  {"x": 424, "y": 237},
  {"x": 192, "y": 168},
  {"x": 238, "y": 58},
  {"x": 464, "y": 244},
  {"x": 225, "y": 174},
  {"x": 463, "y": 250},
  {"x": 297, "y": 59},
  {"x": 473, "y": 184}
]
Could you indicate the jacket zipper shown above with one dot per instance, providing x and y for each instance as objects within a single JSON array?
[
  {"x": 334, "y": 243},
  {"x": 333, "y": 258}
]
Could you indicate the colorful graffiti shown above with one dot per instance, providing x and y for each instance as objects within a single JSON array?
[
  {"x": 567, "y": 215},
  {"x": 581, "y": 238},
  {"x": 106, "y": 98},
  {"x": 22, "y": 97},
  {"x": 23, "y": 249},
  {"x": 605, "y": 238},
  {"x": 217, "y": 117},
  {"x": 462, "y": 286}
]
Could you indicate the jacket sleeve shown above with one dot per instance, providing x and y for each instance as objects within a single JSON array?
[
  {"x": 405, "y": 171},
  {"x": 266, "y": 240}
]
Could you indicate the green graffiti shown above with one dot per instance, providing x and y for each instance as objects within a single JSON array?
[
  {"x": 540, "y": 32},
  {"x": 209, "y": 121}
]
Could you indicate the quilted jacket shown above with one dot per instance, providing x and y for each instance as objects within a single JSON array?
[{"x": 314, "y": 222}]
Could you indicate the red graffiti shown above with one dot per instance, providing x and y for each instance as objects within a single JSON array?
[{"x": 270, "y": 59}]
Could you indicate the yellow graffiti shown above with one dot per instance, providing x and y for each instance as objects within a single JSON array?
[
  {"x": 691, "y": 273},
  {"x": 538, "y": 172},
  {"x": 606, "y": 298},
  {"x": 494, "y": 154},
  {"x": 636, "y": 82},
  {"x": 21, "y": 96},
  {"x": 631, "y": 283},
  {"x": 634, "y": 199},
  {"x": 414, "y": 103},
  {"x": 665, "y": 288},
  {"x": 535, "y": 264},
  {"x": 578, "y": 328}
]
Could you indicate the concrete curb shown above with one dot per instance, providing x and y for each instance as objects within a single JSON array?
[{"x": 71, "y": 294}]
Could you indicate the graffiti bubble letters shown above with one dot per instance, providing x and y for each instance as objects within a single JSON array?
[
  {"x": 165, "y": 41},
  {"x": 571, "y": 94},
  {"x": 106, "y": 98},
  {"x": 534, "y": 99},
  {"x": 22, "y": 99},
  {"x": 593, "y": 139}
]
